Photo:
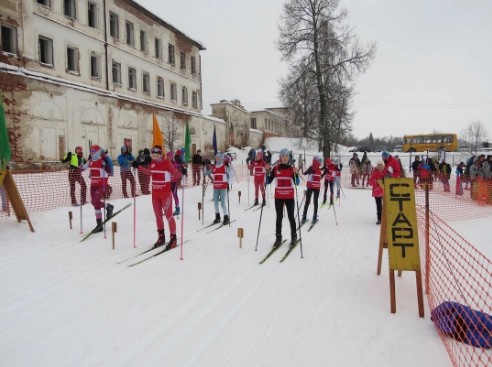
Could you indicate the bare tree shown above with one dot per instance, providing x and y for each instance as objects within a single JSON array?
[
  {"x": 313, "y": 37},
  {"x": 474, "y": 135},
  {"x": 172, "y": 128}
]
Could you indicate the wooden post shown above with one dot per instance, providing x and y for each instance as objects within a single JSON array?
[
  {"x": 240, "y": 234},
  {"x": 239, "y": 196},
  {"x": 70, "y": 217},
  {"x": 114, "y": 229},
  {"x": 199, "y": 209},
  {"x": 14, "y": 197}
]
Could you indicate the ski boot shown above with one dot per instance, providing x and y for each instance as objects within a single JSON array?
[
  {"x": 226, "y": 220},
  {"x": 304, "y": 219},
  {"x": 324, "y": 200},
  {"x": 278, "y": 241},
  {"x": 177, "y": 211},
  {"x": 172, "y": 242},
  {"x": 315, "y": 219},
  {"x": 99, "y": 227},
  {"x": 161, "y": 240},
  {"x": 379, "y": 221},
  {"x": 256, "y": 202},
  {"x": 264, "y": 202},
  {"x": 293, "y": 239},
  {"x": 109, "y": 211},
  {"x": 217, "y": 218},
  {"x": 331, "y": 200}
]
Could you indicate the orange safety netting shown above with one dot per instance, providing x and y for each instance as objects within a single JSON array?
[{"x": 458, "y": 280}]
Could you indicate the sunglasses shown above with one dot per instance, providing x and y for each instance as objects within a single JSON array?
[{"x": 156, "y": 151}]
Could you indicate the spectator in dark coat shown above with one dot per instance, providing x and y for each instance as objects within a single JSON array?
[
  {"x": 196, "y": 166},
  {"x": 144, "y": 160}
]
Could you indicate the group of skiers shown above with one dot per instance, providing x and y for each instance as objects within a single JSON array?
[{"x": 166, "y": 171}]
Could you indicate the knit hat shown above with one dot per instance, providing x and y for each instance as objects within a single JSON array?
[
  {"x": 124, "y": 149},
  {"x": 385, "y": 154},
  {"x": 380, "y": 163},
  {"x": 284, "y": 152},
  {"x": 259, "y": 156},
  {"x": 147, "y": 151},
  {"x": 157, "y": 149}
]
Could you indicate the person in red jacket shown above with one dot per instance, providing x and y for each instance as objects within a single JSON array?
[
  {"x": 219, "y": 174},
  {"x": 286, "y": 178},
  {"x": 391, "y": 165},
  {"x": 163, "y": 173},
  {"x": 258, "y": 167},
  {"x": 376, "y": 181},
  {"x": 313, "y": 186},
  {"x": 99, "y": 171}
]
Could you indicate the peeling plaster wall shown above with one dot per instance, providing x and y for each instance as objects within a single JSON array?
[{"x": 46, "y": 120}]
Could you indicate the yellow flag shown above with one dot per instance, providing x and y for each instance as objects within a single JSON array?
[{"x": 158, "y": 138}]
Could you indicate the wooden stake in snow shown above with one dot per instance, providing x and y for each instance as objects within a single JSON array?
[
  {"x": 240, "y": 234},
  {"x": 199, "y": 210},
  {"x": 239, "y": 195},
  {"x": 114, "y": 229},
  {"x": 70, "y": 217}
]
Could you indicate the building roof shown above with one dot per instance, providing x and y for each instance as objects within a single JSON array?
[{"x": 164, "y": 23}]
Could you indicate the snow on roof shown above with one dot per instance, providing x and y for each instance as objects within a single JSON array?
[{"x": 91, "y": 89}]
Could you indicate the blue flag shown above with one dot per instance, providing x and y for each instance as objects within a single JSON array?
[{"x": 214, "y": 142}]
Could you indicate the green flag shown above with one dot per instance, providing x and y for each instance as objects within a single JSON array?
[
  {"x": 5, "y": 154},
  {"x": 187, "y": 143}
]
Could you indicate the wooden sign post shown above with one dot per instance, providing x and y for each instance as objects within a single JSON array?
[
  {"x": 70, "y": 217},
  {"x": 239, "y": 196},
  {"x": 199, "y": 210},
  {"x": 399, "y": 233},
  {"x": 114, "y": 229},
  {"x": 8, "y": 183},
  {"x": 240, "y": 234}
]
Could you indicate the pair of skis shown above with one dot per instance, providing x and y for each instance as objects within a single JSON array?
[
  {"x": 274, "y": 249},
  {"x": 103, "y": 223}
]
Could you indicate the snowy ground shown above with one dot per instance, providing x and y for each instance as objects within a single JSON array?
[{"x": 65, "y": 303}]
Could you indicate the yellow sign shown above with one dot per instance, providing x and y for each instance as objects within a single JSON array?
[
  {"x": 3, "y": 172},
  {"x": 401, "y": 224}
]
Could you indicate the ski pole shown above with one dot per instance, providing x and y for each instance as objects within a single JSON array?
[
  {"x": 335, "y": 214},
  {"x": 134, "y": 216},
  {"x": 81, "y": 230},
  {"x": 259, "y": 224},
  {"x": 228, "y": 209},
  {"x": 182, "y": 220},
  {"x": 299, "y": 218},
  {"x": 104, "y": 209},
  {"x": 247, "y": 175}
]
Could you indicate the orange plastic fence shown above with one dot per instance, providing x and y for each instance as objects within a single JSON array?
[{"x": 459, "y": 274}]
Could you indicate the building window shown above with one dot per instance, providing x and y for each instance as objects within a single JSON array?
[
  {"x": 184, "y": 96},
  {"x": 146, "y": 82},
  {"x": 182, "y": 59},
  {"x": 69, "y": 8},
  {"x": 45, "y": 51},
  {"x": 194, "y": 99},
  {"x": 72, "y": 59},
  {"x": 132, "y": 78},
  {"x": 114, "y": 25},
  {"x": 158, "y": 48},
  {"x": 95, "y": 66},
  {"x": 193, "y": 65},
  {"x": 92, "y": 14},
  {"x": 116, "y": 70},
  {"x": 143, "y": 41},
  {"x": 9, "y": 39},
  {"x": 170, "y": 55},
  {"x": 253, "y": 123},
  {"x": 160, "y": 87},
  {"x": 130, "y": 36},
  {"x": 46, "y": 3},
  {"x": 174, "y": 92}
]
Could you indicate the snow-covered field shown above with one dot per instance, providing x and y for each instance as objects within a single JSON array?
[{"x": 66, "y": 303}]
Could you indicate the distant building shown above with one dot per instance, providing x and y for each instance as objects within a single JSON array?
[
  {"x": 74, "y": 72},
  {"x": 237, "y": 120},
  {"x": 272, "y": 122}
]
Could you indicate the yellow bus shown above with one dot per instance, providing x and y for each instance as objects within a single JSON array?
[{"x": 430, "y": 142}]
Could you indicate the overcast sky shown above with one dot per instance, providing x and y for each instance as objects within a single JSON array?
[{"x": 432, "y": 70}]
